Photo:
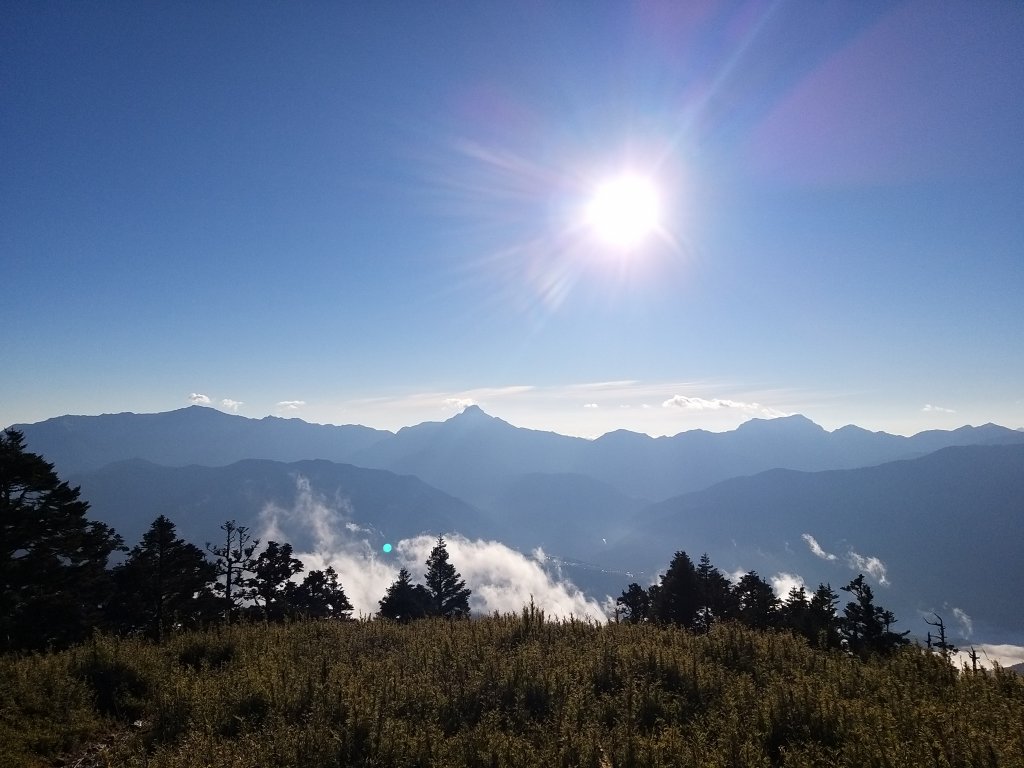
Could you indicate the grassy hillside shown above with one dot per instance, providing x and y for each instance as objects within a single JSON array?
[{"x": 501, "y": 691}]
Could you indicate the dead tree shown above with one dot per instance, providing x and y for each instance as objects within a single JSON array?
[{"x": 945, "y": 648}]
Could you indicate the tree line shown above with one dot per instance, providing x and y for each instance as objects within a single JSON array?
[
  {"x": 56, "y": 586},
  {"x": 698, "y": 596}
]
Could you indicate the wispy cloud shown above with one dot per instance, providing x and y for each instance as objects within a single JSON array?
[
  {"x": 929, "y": 408},
  {"x": 459, "y": 403},
  {"x": 874, "y": 567},
  {"x": 290, "y": 405},
  {"x": 231, "y": 405},
  {"x": 591, "y": 405},
  {"x": 688, "y": 403},
  {"x": 965, "y": 621},
  {"x": 500, "y": 578},
  {"x": 815, "y": 547},
  {"x": 198, "y": 399}
]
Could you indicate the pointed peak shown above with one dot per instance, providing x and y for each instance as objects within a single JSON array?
[{"x": 471, "y": 412}]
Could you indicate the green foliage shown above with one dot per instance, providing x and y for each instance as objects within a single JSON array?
[
  {"x": 405, "y": 601},
  {"x": 53, "y": 577},
  {"x": 321, "y": 596},
  {"x": 271, "y": 582},
  {"x": 164, "y": 583},
  {"x": 448, "y": 594},
  {"x": 507, "y": 691}
]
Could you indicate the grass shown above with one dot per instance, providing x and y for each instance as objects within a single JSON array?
[{"x": 498, "y": 691}]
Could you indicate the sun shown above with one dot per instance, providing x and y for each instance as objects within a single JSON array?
[{"x": 624, "y": 211}]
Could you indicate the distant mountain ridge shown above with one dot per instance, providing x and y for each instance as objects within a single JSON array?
[
  {"x": 472, "y": 452},
  {"x": 260, "y": 493},
  {"x": 941, "y": 510}
]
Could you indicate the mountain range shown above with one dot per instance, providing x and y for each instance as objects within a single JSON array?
[{"x": 935, "y": 519}]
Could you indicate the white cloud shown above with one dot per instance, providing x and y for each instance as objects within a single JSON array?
[
  {"x": 782, "y": 583},
  {"x": 815, "y": 547},
  {"x": 928, "y": 408},
  {"x": 291, "y": 405},
  {"x": 966, "y": 623},
  {"x": 231, "y": 405},
  {"x": 1003, "y": 655},
  {"x": 197, "y": 399},
  {"x": 500, "y": 578},
  {"x": 702, "y": 404},
  {"x": 591, "y": 405},
  {"x": 459, "y": 403},
  {"x": 874, "y": 567}
]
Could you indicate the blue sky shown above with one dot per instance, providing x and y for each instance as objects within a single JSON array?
[{"x": 370, "y": 212}]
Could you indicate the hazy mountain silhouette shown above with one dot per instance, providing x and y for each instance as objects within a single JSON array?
[
  {"x": 129, "y": 495},
  {"x": 193, "y": 435},
  {"x": 947, "y": 527},
  {"x": 472, "y": 455}
]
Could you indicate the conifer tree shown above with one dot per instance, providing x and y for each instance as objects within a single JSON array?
[
  {"x": 271, "y": 583},
  {"x": 448, "y": 594},
  {"x": 677, "y": 599},
  {"x": 320, "y": 596},
  {"x": 822, "y": 621},
  {"x": 758, "y": 606},
  {"x": 235, "y": 563},
  {"x": 717, "y": 601},
  {"x": 866, "y": 627},
  {"x": 404, "y": 600},
  {"x": 53, "y": 560},
  {"x": 163, "y": 583},
  {"x": 636, "y": 602}
]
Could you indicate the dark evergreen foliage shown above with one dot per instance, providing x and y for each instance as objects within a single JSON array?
[
  {"x": 164, "y": 583},
  {"x": 53, "y": 560},
  {"x": 404, "y": 600},
  {"x": 271, "y": 584},
  {"x": 757, "y": 604},
  {"x": 866, "y": 627},
  {"x": 678, "y": 600},
  {"x": 448, "y": 594},
  {"x": 320, "y": 596},
  {"x": 635, "y": 602},
  {"x": 717, "y": 599}
]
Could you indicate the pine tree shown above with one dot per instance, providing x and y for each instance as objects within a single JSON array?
[
  {"x": 448, "y": 594},
  {"x": 758, "y": 606},
  {"x": 794, "y": 611},
  {"x": 677, "y": 599},
  {"x": 165, "y": 582},
  {"x": 866, "y": 627},
  {"x": 272, "y": 575},
  {"x": 636, "y": 601},
  {"x": 404, "y": 600},
  {"x": 320, "y": 596},
  {"x": 53, "y": 561},
  {"x": 717, "y": 601},
  {"x": 235, "y": 563},
  {"x": 822, "y": 621}
]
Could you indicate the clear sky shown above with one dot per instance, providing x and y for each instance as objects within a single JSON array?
[{"x": 376, "y": 212}]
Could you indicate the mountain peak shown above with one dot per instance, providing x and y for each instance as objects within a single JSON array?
[
  {"x": 472, "y": 413},
  {"x": 790, "y": 424}
]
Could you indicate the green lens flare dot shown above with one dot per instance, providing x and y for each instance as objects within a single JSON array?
[{"x": 386, "y": 548}]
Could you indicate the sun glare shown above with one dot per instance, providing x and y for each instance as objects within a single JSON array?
[{"x": 624, "y": 211}]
